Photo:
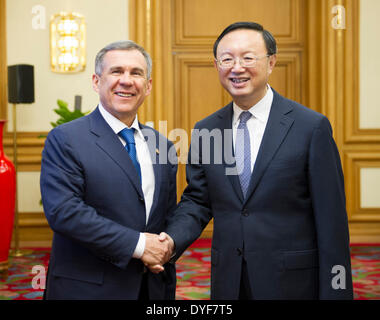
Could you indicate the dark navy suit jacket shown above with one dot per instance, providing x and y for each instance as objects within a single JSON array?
[
  {"x": 291, "y": 228},
  {"x": 94, "y": 203}
]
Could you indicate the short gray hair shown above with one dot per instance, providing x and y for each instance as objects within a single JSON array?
[{"x": 121, "y": 45}]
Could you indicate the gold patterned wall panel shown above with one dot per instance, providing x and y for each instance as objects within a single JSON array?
[
  {"x": 197, "y": 86},
  {"x": 29, "y": 149},
  {"x": 355, "y": 162},
  {"x": 317, "y": 66},
  {"x": 180, "y": 35},
  {"x": 353, "y": 133},
  {"x": 286, "y": 76},
  {"x": 196, "y": 97},
  {"x": 198, "y": 22}
]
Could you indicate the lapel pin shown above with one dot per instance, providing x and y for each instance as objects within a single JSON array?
[{"x": 157, "y": 151}]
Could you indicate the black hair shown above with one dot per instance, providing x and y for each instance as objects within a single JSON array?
[{"x": 269, "y": 40}]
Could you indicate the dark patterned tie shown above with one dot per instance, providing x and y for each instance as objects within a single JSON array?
[
  {"x": 243, "y": 151},
  {"x": 129, "y": 137}
]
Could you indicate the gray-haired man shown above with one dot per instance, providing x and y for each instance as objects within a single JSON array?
[{"x": 105, "y": 194}]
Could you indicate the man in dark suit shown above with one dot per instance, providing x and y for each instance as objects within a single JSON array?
[
  {"x": 105, "y": 192},
  {"x": 278, "y": 201}
]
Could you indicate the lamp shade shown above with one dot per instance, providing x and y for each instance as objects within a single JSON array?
[{"x": 21, "y": 83}]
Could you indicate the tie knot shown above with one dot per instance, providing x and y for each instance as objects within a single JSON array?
[
  {"x": 128, "y": 135},
  {"x": 245, "y": 116}
]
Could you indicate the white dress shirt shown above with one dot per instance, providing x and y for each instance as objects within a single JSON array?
[
  {"x": 256, "y": 124},
  {"x": 144, "y": 158}
]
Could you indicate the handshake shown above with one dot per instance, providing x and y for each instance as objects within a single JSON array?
[{"x": 158, "y": 251}]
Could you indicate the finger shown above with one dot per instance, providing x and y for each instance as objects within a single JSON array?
[
  {"x": 156, "y": 268},
  {"x": 162, "y": 236}
]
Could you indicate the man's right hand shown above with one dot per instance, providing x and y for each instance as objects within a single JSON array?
[{"x": 156, "y": 253}]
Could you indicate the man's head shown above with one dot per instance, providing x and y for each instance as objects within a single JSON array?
[
  {"x": 269, "y": 40},
  {"x": 245, "y": 55},
  {"x": 122, "y": 78},
  {"x": 122, "y": 45}
]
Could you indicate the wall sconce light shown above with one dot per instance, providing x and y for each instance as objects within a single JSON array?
[{"x": 67, "y": 42}]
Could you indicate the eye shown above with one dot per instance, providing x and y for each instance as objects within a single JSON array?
[
  {"x": 138, "y": 73},
  {"x": 249, "y": 58},
  {"x": 226, "y": 60}
]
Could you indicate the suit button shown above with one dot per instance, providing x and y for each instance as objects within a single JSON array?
[
  {"x": 239, "y": 251},
  {"x": 245, "y": 213}
]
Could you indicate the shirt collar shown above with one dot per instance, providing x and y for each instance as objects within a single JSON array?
[
  {"x": 260, "y": 110},
  {"x": 117, "y": 125}
]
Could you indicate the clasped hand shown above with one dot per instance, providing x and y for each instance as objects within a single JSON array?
[{"x": 158, "y": 250}]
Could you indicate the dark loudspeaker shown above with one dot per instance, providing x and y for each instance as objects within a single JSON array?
[{"x": 21, "y": 83}]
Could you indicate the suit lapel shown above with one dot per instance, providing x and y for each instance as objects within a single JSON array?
[
  {"x": 108, "y": 141},
  {"x": 275, "y": 132}
]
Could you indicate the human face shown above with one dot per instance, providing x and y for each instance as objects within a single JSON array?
[
  {"x": 248, "y": 85},
  {"x": 123, "y": 84}
]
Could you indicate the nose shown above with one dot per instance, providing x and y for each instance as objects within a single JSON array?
[
  {"x": 237, "y": 65},
  {"x": 126, "y": 79}
]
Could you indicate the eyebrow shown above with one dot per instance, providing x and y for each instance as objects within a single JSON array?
[
  {"x": 245, "y": 52},
  {"x": 118, "y": 68},
  {"x": 115, "y": 68}
]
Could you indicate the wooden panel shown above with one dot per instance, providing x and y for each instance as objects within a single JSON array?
[
  {"x": 364, "y": 232},
  {"x": 354, "y": 161},
  {"x": 353, "y": 133},
  {"x": 286, "y": 76},
  {"x": 149, "y": 26},
  {"x": 199, "y": 22},
  {"x": 34, "y": 227},
  {"x": 29, "y": 149},
  {"x": 317, "y": 66},
  {"x": 199, "y": 92}
]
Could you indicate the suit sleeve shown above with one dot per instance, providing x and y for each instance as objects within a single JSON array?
[
  {"x": 326, "y": 185},
  {"x": 63, "y": 188},
  {"x": 193, "y": 212}
]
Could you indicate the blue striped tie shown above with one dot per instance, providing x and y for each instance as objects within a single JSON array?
[
  {"x": 129, "y": 137},
  {"x": 243, "y": 151}
]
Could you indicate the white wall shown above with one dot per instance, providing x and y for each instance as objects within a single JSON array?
[
  {"x": 369, "y": 64},
  {"x": 106, "y": 21},
  {"x": 369, "y": 187},
  {"x": 369, "y": 83}
]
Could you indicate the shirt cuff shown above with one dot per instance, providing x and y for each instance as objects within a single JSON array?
[{"x": 140, "y": 248}]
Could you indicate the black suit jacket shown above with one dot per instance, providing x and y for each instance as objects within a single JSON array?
[{"x": 291, "y": 228}]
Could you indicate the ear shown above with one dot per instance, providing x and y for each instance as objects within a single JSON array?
[
  {"x": 272, "y": 63},
  {"x": 215, "y": 64},
  {"x": 95, "y": 82},
  {"x": 148, "y": 87}
]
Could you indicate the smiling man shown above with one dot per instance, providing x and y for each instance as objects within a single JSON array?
[
  {"x": 105, "y": 194},
  {"x": 280, "y": 222}
]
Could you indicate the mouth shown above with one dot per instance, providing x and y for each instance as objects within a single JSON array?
[
  {"x": 124, "y": 94},
  {"x": 238, "y": 80}
]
